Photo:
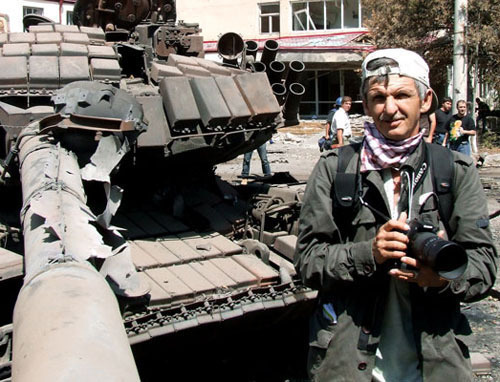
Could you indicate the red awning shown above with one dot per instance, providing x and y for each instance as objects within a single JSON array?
[{"x": 341, "y": 41}]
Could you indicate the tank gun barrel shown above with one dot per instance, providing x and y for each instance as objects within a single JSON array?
[
  {"x": 67, "y": 326},
  {"x": 67, "y": 322}
]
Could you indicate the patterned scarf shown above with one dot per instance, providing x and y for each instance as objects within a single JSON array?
[{"x": 379, "y": 152}]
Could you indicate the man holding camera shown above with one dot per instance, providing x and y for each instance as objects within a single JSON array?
[{"x": 384, "y": 312}]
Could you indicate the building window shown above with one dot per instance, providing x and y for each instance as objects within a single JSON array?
[
  {"x": 32, "y": 10},
  {"x": 311, "y": 15},
  {"x": 69, "y": 18},
  {"x": 269, "y": 18}
]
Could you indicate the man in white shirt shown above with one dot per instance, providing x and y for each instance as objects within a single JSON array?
[{"x": 341, "y": 124}]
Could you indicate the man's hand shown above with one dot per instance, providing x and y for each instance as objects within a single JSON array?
[
  {"x": 422, "y": 275},
  {"x": 389, "y": 243}
]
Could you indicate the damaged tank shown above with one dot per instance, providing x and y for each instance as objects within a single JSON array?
[{"x": 124, "y": 257}]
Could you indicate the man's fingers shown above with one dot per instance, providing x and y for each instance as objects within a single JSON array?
[
  {"x": 392, "y": 254},
  {"x": 397, "y": 225},
  {"x": 424, "y": 276},
  {"x": 385, "y": 237},
  {"x": 392, "y": 245},
  {"x": 405, "y": 275},
  {"x": 411, "y": 262},
  {"x": 391, "y": 241},
  {"x": 403, "y": 217}
]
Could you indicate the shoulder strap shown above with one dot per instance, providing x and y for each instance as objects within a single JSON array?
[
  {"x": 345, "y": 153},
  {"x": 345, "y": 184},
  {"x": 442, "y": 165},
  {"x": 344, "y": 191}
]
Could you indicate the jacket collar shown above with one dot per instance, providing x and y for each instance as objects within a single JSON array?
[{"x": 416, "y": 159}]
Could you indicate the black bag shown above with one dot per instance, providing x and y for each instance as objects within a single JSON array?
[{"x": 324, "y": 144}]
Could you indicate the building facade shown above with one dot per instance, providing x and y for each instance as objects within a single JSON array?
[{"x": 327, "y": 35}]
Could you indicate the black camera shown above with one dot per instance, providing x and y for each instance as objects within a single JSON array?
[{"x": 446, "y": 258}]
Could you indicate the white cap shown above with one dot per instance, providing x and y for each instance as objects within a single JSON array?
[{"x": 409, "y": 64}]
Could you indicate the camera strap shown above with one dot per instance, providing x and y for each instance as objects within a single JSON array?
[
  {"x": 443, "y": 171},
  {"x": 439, "y": 159}
]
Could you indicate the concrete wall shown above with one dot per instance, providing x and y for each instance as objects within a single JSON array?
[
  {"x": 242, "y": 16},
  {"x": 220, "y": 16},
  {"x": 14, "y": 9}
]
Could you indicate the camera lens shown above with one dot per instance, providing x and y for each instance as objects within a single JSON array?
[{"x": 446, "y": 258}]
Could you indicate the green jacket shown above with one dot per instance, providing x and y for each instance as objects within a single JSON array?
[{"x": 334, "y": 256}]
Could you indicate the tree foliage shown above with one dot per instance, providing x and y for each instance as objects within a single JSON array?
[{"x": 427, "y": 27}]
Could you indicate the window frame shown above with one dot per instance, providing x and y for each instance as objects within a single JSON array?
[
  {"x": 38, "y": 10},
  {"x": 269, "y": 17},
  {"x": 69, "y": 17},
  {"x": 311, "y": 27}
]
